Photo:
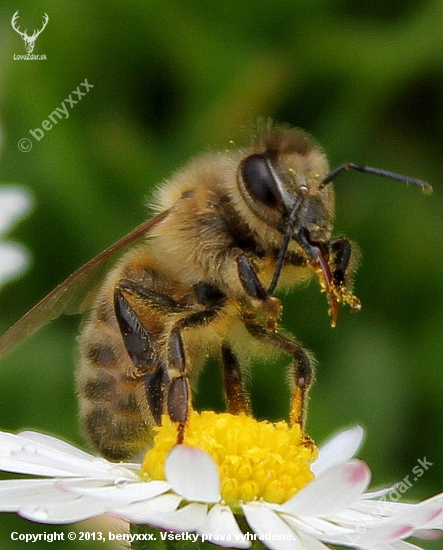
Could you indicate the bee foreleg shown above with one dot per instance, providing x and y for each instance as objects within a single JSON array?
[
  {"x": 342, "y": 251},
  {"x": 249, "y": 280},
  {"x": 302, "y": 372},
  {"x": 236, "y": 397},
  {"x": 254, "y": 288}
]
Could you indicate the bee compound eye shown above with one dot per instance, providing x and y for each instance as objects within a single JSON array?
[{"x": 259, "y": 181}]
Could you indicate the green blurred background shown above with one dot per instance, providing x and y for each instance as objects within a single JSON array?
[{"x": 172, "y": 79}]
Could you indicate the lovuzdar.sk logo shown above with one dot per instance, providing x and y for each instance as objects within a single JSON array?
[{"x": 29, "y": 40}]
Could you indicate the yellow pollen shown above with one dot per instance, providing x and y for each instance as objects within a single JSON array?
[{"x": 256, "y": 460}]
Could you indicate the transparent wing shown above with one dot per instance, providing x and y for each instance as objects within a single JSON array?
[{"x": 75, "y": 294}]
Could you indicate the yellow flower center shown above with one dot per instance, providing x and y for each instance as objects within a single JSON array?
[{"x": 256, "y": 460}]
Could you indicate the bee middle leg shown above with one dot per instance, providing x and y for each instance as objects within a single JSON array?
[
  {"x": 302, "y": 371},
  {"x": 179, "y": 395}
]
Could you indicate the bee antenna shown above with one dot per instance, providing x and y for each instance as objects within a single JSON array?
[
  {"x": 289, "y": 231},
  {"x": 426, "y": 188}
]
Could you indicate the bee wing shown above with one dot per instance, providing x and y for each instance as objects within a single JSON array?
[{"x": 75, "y": 294}]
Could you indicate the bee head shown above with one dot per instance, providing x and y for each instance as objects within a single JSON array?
[{"x": 289, "y": 170}]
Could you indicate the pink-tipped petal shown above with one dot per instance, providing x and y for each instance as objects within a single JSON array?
[
  {"x": 383, "y": 533},
  {"x": 335, "y": 489},
  {"x": 339, "y": 449}
]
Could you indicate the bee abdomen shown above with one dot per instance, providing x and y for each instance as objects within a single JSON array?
[
  {"x": 117, "y": 438},
  {"x": 111, "y": 413},
  {"x": 101, "y": 355}
]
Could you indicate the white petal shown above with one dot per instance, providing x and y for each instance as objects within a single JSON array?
[
  {"x": 43, "y": 501},
  {"x": 150, "y": 511},
  {"x": 311, "y": 543},
  {"x": 122, "y": 493},
  {"x": 276, "y": 534},
  {"x": 71, "y": 510},
  {"x": 163, "y": 512},
  {"x": 339, "y": 449},
  {"x": 379, "y": 493},
  {"x": 222, "y": 529},
  {"x": 189, "y": 518},
  {"x": 53, "y": 443},
  {"x": 16, "y": 492},
  {"x": 193, "y": 474},
  {"x": 427, "y": 534},
  {"x": 318, "y": 527},
  {"x": 373, "y": 510},
  {"x": 15, "y": 202},
  {"x": 13, "y": 260},
  {"x": 22, "y": 455},
  {"x": 332, "y": 491}
]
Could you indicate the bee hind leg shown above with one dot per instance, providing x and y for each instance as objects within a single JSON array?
[
  {"x": 155, "y": 384},
  {"x": 139, "y": 343},
  {"x": 167, "y": 372},
  {"x": 236, "y": 398}
]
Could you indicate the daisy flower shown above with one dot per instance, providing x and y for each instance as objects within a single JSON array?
[
  {"x": 234, "y": 481},
  {"x": 14, "y": 204}
]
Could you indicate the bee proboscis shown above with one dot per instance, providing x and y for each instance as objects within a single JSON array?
[{"x": 231, "y": 228}]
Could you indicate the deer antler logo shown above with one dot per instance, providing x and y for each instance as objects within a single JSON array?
[{"x": 29, "y": 40}]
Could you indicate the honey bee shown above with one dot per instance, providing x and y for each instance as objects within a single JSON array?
[{"x": 199, "y": 279}]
